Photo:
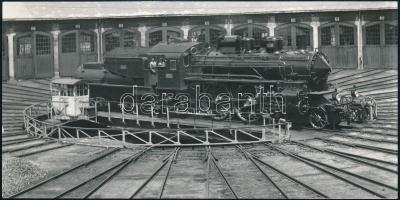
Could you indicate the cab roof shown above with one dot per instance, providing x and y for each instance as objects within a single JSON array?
[
  {"x": 67, "y": 81},
  {"x": 173, "y": 47},
  {"x": 124, "y": 52}
]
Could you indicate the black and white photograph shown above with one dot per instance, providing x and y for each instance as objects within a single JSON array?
[{"x": 200, "y": 99}]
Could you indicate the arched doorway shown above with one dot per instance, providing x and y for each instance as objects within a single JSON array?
[
  {"x": 161, "y": 34},
  {"x": 120, "y": 38},
  {"x": 380, "y": 45},
  {"x": 4, "y": 58},
  {"x": 208, "y": 34},
  {"x": 338, "y": 41},
  {"x": 33, "y": 55},
  {"x": 76, "y": 47},
  {"x": 295, "y": 36},
  {"x": 252, "y": 31}
]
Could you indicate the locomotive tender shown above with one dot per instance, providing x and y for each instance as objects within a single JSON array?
[{"x": 234, "y": 77}]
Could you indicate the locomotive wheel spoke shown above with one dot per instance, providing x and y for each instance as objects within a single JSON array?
[{"x": 318, "y": 118}]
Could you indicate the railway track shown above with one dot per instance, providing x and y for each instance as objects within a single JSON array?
[{"x": 352, "y": 181}]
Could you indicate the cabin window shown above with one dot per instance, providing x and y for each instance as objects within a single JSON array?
[
  {"x": 70, "y": 90},
  {"x": 63, "y": 90},
  {"x": 172, "y": 64},
  {"x": 328, "y": 36},
  {"x": 372, "y": 36},
  {"x": 391, "y": 34},
  {"x": 68, "y": 43},
  {"x": 24, "y": 46},
  {"x": 42, "y": 45},
  {"x": 346, "y": 35},
  {"x": 155, "y": 37},
  {"x": 86, "y": 42},
  {"x": 82, "y": 90},
  {"x": 55, "y": 90}
]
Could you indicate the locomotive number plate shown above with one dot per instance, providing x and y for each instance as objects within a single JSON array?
[{"x": 169, "y": 76}]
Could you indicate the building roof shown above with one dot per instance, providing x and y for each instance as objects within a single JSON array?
[
  {"x": 14, "y": 11},
  {"x": 66, "y": 81}
]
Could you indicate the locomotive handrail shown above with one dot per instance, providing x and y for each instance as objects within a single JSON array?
[{"x": 225, "y": 75}]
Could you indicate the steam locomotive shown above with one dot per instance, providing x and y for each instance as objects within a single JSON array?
[{"x": 237, "y": 76}]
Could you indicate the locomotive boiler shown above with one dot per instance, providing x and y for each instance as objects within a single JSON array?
[
  {"x": 294, "y": 83},
  {"x": 235, "y": 77}
]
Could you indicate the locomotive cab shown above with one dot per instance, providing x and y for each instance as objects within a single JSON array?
[
  {"x": 70, "y": 97},
  {"x": 169, "y": 63}
]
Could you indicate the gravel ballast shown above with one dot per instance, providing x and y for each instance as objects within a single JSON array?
[{"x": 18, "y": 174}]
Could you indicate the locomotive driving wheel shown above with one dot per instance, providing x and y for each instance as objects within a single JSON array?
[
  {"x": 221, "y": 92},
  {"x": 246, "y": 110},
  {"x": 318, "y": 117},
  {"x": 221, "y": 112}
]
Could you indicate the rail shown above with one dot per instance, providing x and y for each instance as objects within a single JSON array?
[{"x": 129, "y": 136}]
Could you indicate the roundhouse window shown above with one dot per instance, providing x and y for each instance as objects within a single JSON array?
[
  {"x": 372, "y": 35},
  {"x": 155, "y": 38},
  {"x": 24, "y": 46},
  {"x": 258, "y": 33},
  {"x": 112, "y": 40},
  {"x": 328, "y": 36},
  {"x": 254, "y": 31},
  {"x": 42, "y": 45},
  {"x": 129, "y": 39},
  {"x": 286, "y": 34},
  {"x": 391, "y": 34},
  {"x": 172, "y": 34},
  {"x": 346, "y": 35},
  {"x": 86, "y": 42},
  {"x": 214, "y": 35},
  {"x": 302, "y": 37},
  {"x": 208, "y": 34},
  {"x": 241, "y": 32},
  {"x": 68, "y": 43},
  {"x": 198, "y": 35}
]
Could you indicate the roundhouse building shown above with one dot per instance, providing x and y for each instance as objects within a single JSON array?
[{"x": 47, "y": 39}]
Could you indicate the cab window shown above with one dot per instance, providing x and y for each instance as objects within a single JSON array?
[
  {"x": 172, "y": 64},
  {"x": 186, "y": 60}
]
